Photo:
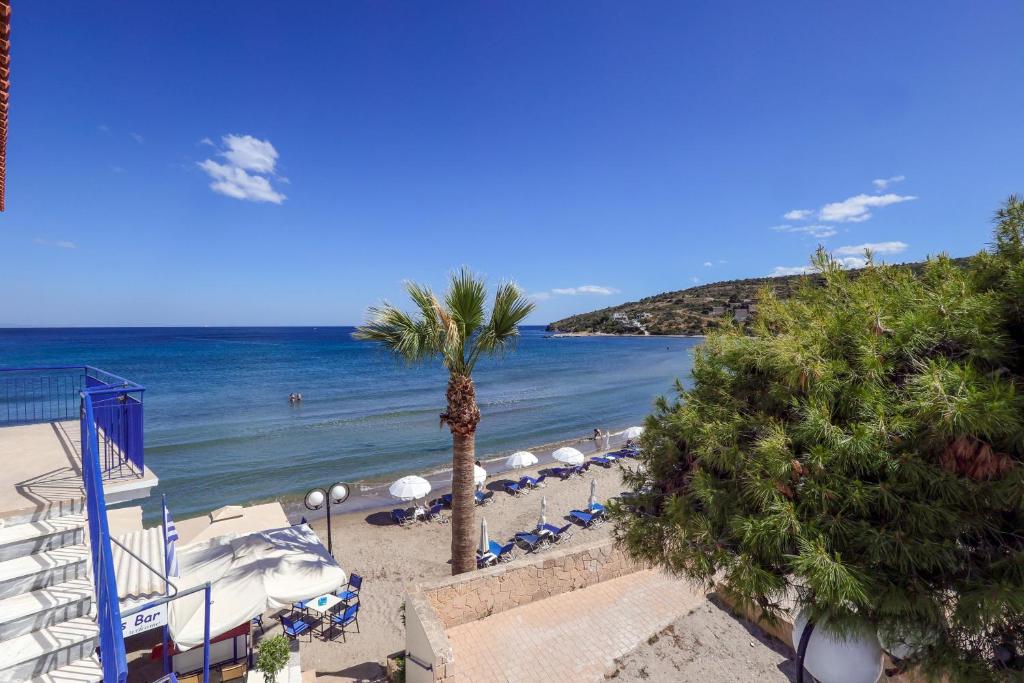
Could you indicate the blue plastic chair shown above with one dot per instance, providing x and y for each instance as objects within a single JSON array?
[
  {"x": 258, "y": 621},
  {"x": 596, "y": 509},
  {"x": 502, "y": 553},
  {"x": 351, "y": 591},
  {"x": 345, "y": 619},
  {"x": 294, "y": 629}
]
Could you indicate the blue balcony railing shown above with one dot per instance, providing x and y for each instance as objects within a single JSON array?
[
  {"x": 108, "y": 610},
  {"x": 52, "y": 394}
]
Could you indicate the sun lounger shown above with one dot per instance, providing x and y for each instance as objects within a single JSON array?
[
  {"x": 597, "y": 509},
  {"x": 483, "y": 498},
  {"x": 434, "y": 513},
  {"x": 295, "y": 628},
  {"x": 603, "y": 462},
  {"x": 446, "y": 499},
  {"x": 504, "y": 553},
  {"x": 563, "y": 473},
  {"x": 347, "y": 618},
  {"x": 585, "y": 519},
  {"x": 555, "y": 533},
  {"x": 530, "y": 541},
  {"x": 402, "y": 517},
  {"x": 512, "y": 488}
]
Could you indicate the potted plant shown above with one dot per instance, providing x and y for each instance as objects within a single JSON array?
[{"x": 273, "y": 657}]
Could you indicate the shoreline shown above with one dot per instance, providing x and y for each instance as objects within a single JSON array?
[{"x": 370, "y": 496}]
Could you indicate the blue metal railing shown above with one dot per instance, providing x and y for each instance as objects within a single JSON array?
[
  {"x": 53, "y": 393},
  {"x": 108, "y": 610}
]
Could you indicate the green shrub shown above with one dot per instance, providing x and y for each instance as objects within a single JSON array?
[
  {"x": 273, "y": 657},
  {"x": 862, "y": 451}
]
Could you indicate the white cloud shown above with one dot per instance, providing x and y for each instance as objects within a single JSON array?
[
  {"x": 540, "y": 296},
  {"x": 207, "y": 141},
  {"x": 235, "y": 182},
  {"x": 245, "y": 176},
  {"x": 584, "y": 289},
  {"x": 59, "y": 244},
  {"x": 882, "y": 183},
  {"x": 820, "y": 231},
  {"x": 249, "y": 153},
  {"x": 694, "y": 279},
  {"x": 138, "y": 138},
  {"x": 708, "y": 264},
  {"x": 857, "y": 209},
  {"x": 875, "y": 247},
  {"x": 780, "y": 271},
  {"x": 797, "y": 214}
]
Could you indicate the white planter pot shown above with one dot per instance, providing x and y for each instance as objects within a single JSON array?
[{"x": 832, "y": 658}]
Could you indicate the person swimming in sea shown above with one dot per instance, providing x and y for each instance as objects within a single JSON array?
[{"x": 294, "y": 397}]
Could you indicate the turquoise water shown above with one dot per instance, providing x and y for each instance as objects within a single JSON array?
[{"x": 219, "y": 428}]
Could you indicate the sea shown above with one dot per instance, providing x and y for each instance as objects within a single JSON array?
[{"x": 219, "y": 428}]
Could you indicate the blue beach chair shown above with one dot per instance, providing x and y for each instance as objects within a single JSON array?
[
  {"x": 512, "y": 488},
  {"x": 585, "y": 519},
  {"x": 603, "y": 462},
  {"x": 530, "y": 541},
  {"x": 434, "y": 513},
  {"x": 483, "y": 498},
  {"x": 401, "y": 517},
  {"x": 557, "y": 534},
  {"x": 502, "y": 553},
  {"x": 596, "y": 509},
  {"x": 446, "y": 499}
]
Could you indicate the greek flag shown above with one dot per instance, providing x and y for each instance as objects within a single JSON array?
[{"x": 171, "y": 534}]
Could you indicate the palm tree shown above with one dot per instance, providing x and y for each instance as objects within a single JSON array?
[{"x": 459, "y": 332}]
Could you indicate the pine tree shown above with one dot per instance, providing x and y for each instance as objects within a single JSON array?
[{"x": 860, "y": 450}]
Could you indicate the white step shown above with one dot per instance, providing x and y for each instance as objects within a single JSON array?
[
  {"x": 47, "y": 649},
  {"x": 28, "y": 612},
  {"x": 24, "y": 574},
  {"x": 86, "y": 670},
  {"x": 32, "y": 537}
]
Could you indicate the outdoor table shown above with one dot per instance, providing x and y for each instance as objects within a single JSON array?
[{"x": 322, "y": 606}]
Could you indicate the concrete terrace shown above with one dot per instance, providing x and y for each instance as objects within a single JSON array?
[
  {"x": 574, "y": 636},
  {"x": 42, "y": 471}
]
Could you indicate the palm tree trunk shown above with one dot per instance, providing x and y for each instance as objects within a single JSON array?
[
  {"x": 463, "y": 504},
  {"x": 462, "y": 418}
]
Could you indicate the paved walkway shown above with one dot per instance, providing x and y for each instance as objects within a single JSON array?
[{"x": 575, "y": 636}]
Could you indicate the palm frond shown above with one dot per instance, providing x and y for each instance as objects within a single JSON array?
[
  {"x": 415, "y": 339},
  {"x": 511, "y": 306}
]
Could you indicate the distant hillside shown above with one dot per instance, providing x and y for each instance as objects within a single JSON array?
[{"x": 691, "y": 311}]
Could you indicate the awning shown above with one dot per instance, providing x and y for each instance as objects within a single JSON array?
[
  {"x": 250, "y": 574},
  {"x": 135, "y": 583}
]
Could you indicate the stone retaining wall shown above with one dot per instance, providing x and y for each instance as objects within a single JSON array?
[{"x": 432, "y": 608}]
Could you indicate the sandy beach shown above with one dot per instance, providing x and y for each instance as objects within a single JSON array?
[{"x": 389, "y": 558}]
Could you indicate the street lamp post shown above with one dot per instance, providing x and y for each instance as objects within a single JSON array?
[{"x": 318, "y": 498}]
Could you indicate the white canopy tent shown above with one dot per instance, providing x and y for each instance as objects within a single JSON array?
[{"x": 249, "y": 575}]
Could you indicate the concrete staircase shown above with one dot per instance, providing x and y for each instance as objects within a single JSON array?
[{"x": 47, "y": 628}]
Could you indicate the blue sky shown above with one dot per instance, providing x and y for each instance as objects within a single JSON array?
[{"x": 205, "y": 163}]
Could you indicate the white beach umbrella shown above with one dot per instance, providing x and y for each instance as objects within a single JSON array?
[
  {"x": 410, "y": 488},
  {"x": 521, "y": 459},
  {"x": 485, "y": 544},
  {"x": 543, "y": 509},
  {"x": 593, "y": 494},
  {"x": 568, "y": 455},
  {"x": 479, "y": 475},
  {"x": 633, "y": 432}
]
